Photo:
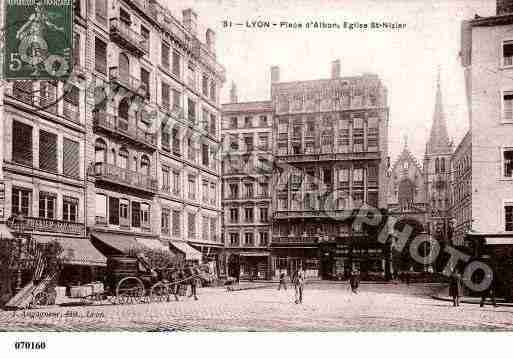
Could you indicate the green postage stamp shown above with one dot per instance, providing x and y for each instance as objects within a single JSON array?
[{"x": 38, "y": 39}]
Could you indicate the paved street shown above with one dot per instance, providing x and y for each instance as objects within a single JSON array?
[{"x": 327, "y": 306}]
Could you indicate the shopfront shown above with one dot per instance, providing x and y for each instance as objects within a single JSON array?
[{"x": 289, "y": 259}]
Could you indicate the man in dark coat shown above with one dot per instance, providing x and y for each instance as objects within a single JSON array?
[
  {"x": 192, "y": 279},
  {"x": 455, "y": 289},
  {"x": 490, "y": 291},
  {"x": 283, "y": 283},
  {"x": 298, "y": 280},
  {"x": 354, "y": 282}
]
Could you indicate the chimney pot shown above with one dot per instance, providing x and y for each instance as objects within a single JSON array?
[
  {"x": 275, "y": 74},
  {"x": 335, "y": 69},
  {"x": 190, "y": 20},
  {"x": 210, "y": 39},
  {"x": 233, "y": 93}
]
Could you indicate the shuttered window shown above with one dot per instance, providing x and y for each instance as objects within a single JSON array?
[
  {"x": 100, "y": 52},
  {"x": 76, "y": 49},
  {"x": 22, "y": 143},
  {"x": 165, "y": 96},
  {"x": 145, "y": 79},
  {"x": 113, "y": 210},
  {"x": 164, "y": 60},
  {"x": 47, "y": 151},
  {"x": 70, "y": 158},
  {"x": 136, "y": 214}
]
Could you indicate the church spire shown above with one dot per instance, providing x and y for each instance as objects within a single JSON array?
[{"x": 438, "y": 138}]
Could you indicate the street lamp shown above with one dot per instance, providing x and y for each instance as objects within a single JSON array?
[{"x": 19, "y": 224}]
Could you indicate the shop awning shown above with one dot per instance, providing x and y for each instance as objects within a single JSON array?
[
  {"x": 5, "y": 233},
  {"x": 76, "y": 251},
  {"x": 120, "y": 242},
  {"x": 190, "y": 253},
  {"x": 499, "y": 240},
  {"x": 154, "y": 244},
  {"x": 253, "y": 254}
]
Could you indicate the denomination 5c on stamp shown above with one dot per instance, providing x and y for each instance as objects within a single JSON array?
[{"x": 38, "y": 39}]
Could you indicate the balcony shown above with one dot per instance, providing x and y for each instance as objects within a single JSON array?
[
  {"x": 119, "y": 126},
  {"x": 129, "y": 82},
  {"x": 36, "y": 224},
  {"x": 121, "y": 176},
  {"x": 175, "y": 112},
  {"x": 334, "y": 214},
  {"x": 121, "y": 33},
  {"x": 353, "y": 156},
  {"x": 294, "y": 240}
]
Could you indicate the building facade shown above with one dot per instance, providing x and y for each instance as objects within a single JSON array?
[
  {"x": 247, "y": 179},
  {"x": 126, "y": 153},
  {"x": 330, "y": 147}
]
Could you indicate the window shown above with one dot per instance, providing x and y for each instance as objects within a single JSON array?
[
  {"x": 191, "y": 110},
  {"x": 248, "y": 142},
  {"x": 343, "y": 177},
  {"x": 191, "y": 223},
  {"x": 100, "y": 48},
  {"x": 213, "y": 194},
  {"x": 508, "y": 162},
  {"x": 234, "y": 142},
  {"x": 358, "y": 135},
  {"x": 70, "y": 158},
  {"x": 191, "y": 151},
  {"x": 248, "y": 239},
  {"x": 204, "y": 228},
  {"x": 101, "y": 208},
  {"x": 145, "y": 80},
  {"x": 71, "y": 104},
  {"x": 21, "y": 143},
  {"x": 283, "y": 203},
  {"x": 372, "y": 135},
  {"x": 145, "y": 33},
  {"x": 213, "y": 91},
  {"x": 234, "y": 239},
  {"x": 204, "y": 84},
  {"x": 507, "y": 103},
  {"x": 101, "y": 12},
  {"x": 69, "y": 209},
  {"x": 191, "y": 76},
  {"x": 176, "y": 142},
  {"x": 164, "y": 221},
  {"x": 176, "y": 223},
  {"x": 437, "y": 165},
  {"x": 507, "y": 53},
  {"x": 165, "y": 138},
  {"x": 234, "y": 191},
  {"x": 204, "y": 154},
  {"x": 48, "y": 96},
  {"x": 248, "y": 121},
  {"x": 145, "y": 215},
  {"x": 263, "y": 121},
  {"x": 123, "y": 158},
  {"x": 234, "y": 215},
  {"x": 372, "y": 176},
  {"x": 213, "y": 228},
  {"x": 47, "y": 205},
  {"x": 212, "y": 129},
  {"x": 164, "y": 56},
  {"x": 176, "y": 182},
  {"x": 264, "y": 216},
  {"x": 176, "y": 64},
  {"x": 21, "y": 201},
  {"x": 124, "y": 220},
  {"x": 192, "y": 187},
  {"x": 113, "y": 211},
  {"x": 248, "y": 190},
  {"x": 358, "y": 177},
  {"x": 264, "y": 239},
  {"x": 508, "y": 221},
  {"x": 233, "y": 122},
  {"x": 136, "y": 214},
  {"x": 204, "y": 191},
  {"x": 264, "y": 142},
  {"x": 248, "y": 215},
  {"x": 264, "y": 189},
  {"x": 165, "y": 179},
  {"x": 176, "y": 100},
  {"x": 164, "y": 89},
  {"x": 47, "y": 151},
  {"x": 145, "y": 165}
]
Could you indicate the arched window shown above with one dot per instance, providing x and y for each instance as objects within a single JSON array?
[
  {"x": 123, "y": 158},
  {"x": 145, "y": 165},
  {"x": 437, "y": 165},
  {"x": 100, "y": 151},
  {"x": 123, "y": 109},
  {"x": 442, "y": 169},
  {"x": 124, "y": 67}
]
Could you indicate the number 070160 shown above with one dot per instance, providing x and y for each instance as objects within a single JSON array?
[{"x": 29, "y": 345}]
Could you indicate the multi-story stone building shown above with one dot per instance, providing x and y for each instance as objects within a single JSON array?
[
  {"x": 128, "y": 147},
  {"x": 483, "y": 206},
  {"x": 247, "y": 172},
  {"x": 154, "y": 132},
  {"x": 330, "y": 147}
]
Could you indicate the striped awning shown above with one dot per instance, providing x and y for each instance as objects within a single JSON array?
[
  {"x": 76, "y": 251},
  {"x": 153, "y": 244},
  {"x": 119, "y": 242},
  {"x": 190, "y": 253}
]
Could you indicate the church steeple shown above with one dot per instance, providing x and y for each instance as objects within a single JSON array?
[{"x": 438, "y": 138}]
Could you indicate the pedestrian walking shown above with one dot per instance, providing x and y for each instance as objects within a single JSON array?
[
  {"x": 283, "y": 282},
  {"x": 455, "y": 289},
  {"x": 299, "y": 281},
  {"x": 191, "y": 275},
  {"x": 490, "y": 291},
  {"x": 175, "y": 285},
  {"x": 354, "y": 282}
]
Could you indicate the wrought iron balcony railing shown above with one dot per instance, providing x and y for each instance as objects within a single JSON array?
[
  {"x": 295, "y": 240},
  {"x": 37, "y": 224},
  {"x": 121, "y": 126},
  {"x": 123, "y": 176},
  {"x": 129, "y": 82},
  {"x": 122, "y": 33}
]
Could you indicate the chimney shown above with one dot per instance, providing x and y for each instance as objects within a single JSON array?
[
  {"x": 275, "y": 74},
  {"x": 504, "y": 7},
  {"x": 210, "y": 39},
  {"x": 190, "y": 20},
  {"x": 233, "y": 93},
  {"x": 335, "y": 69}
]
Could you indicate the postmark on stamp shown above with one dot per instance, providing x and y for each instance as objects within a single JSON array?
[{"x": 38, "y": 39}]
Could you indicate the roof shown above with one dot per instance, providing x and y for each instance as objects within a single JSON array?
[
  {"x": 492, "y": 20},
  {"x": 77, "y": 251},
  {"x": 438, "y": 138},
  {"x": 254, "y": 106}
]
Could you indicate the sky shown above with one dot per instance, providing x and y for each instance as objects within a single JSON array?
[{"x": 407, "y": 60}]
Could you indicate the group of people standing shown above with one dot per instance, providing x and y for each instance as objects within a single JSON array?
[{"x": 456, "y": 290}]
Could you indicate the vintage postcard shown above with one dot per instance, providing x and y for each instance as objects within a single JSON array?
[{"x": 269, "y": 166}]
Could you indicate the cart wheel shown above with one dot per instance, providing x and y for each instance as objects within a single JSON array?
[
  {"x": 40, "y": 299},
  {"x": 159, "y": 292},
  {"x": 129, "y": 290}
]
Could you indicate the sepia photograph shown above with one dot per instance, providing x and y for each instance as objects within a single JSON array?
[{"x": 225, "y": 166}]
